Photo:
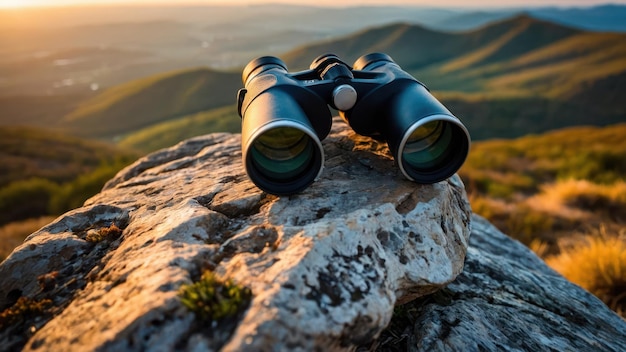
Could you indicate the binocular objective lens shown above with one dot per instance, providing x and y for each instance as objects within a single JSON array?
[
  {"x": 283, "y": 153},
  {"x": 428, "y": 145}
]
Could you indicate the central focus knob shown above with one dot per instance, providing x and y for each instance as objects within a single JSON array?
[{"x": 344, "y": 97}]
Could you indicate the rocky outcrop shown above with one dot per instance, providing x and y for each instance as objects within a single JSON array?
[{"x": 324, "y": 269}]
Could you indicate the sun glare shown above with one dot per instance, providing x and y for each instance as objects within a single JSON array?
[
  {"x": 18, "y": 3},
  {"x": 9, "y": 3}
]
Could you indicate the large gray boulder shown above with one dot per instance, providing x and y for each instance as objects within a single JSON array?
[
  {"x": 506, "y": 299},
  {"x": 324, "y": 268}
]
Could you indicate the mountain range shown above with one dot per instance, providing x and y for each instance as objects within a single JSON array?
[
  {"x": 603, "y": 18},
  {"x": 73, "y": 49},
  {"x": 512, "y": 77}
]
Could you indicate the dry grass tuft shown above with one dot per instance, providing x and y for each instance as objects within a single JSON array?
[
  {"x": 517, "y": 219},
  {"x": 598, "y": 264},
  {"x": 540, "y": 247},
  {"x": 586, "y": 195}
]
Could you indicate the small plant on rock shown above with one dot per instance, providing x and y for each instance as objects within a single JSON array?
[
  {"x": 214, "y": 299},
  {"x": 25, "y": 308},
  {"x": 103, "y": 233}
]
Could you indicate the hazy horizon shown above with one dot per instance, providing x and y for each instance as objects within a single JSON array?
[{"x": 426, "y": 3}]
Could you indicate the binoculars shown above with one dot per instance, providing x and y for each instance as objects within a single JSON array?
[{"x": 286, "y": 115}]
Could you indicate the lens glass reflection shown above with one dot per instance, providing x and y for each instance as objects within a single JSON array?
[
  {"x": 283, "y": 153},
  {"x": 428, "y": 145}
]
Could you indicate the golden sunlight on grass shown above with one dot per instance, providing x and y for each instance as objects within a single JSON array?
[
  {"x": 598, "y": 264},
  {"x": 581, "y": 199},
  {"x": 557, "y": 210},
  {"x": 553, "y": 192}
]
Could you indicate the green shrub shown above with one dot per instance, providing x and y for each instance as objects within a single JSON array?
[
  {"x": 583, "y": 153},
  {"x": 500, "y": 190},
  {"x": 26, "y": 199},
  {"x": 36, "y": 197},
  {"x": 599, "y": 166},
  {"x": 73, "y": 194}
]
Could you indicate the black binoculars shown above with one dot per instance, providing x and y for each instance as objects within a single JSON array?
[{"x": 286, "y": 115}]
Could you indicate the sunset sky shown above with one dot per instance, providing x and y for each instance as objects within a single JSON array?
[{"x": 434, "y": 3}]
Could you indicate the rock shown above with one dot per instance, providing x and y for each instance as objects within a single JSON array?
[
  {"x": 506, "y": 299},
  {"x": 325, "y": 267}
]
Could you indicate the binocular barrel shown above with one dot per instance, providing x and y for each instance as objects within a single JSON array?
[
  {"x": 285, "y": 116},
  {"x": 427, "y": 141},
  {"x": 282, "y": 125}
]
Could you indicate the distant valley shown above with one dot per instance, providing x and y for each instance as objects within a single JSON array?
[
  {"x": 82, "y": 49},
  {"x": 506, "y": 79}
]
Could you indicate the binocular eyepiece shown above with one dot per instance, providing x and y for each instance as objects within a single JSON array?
[{"x": 285, "y": 116}]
